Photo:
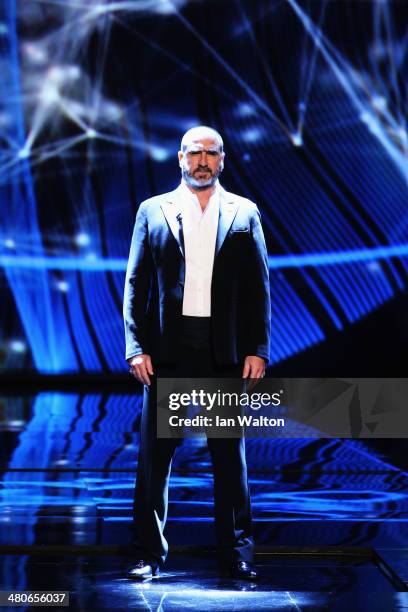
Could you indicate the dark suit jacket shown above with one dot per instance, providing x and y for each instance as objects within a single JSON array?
[{"x": 240, "y": 298}]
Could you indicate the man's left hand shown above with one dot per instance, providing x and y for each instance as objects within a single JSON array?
[{"x": 254, "y": 367}]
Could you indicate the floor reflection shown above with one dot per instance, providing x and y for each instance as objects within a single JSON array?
[
  {"x": 68, "y": 464},
  {"x": 193, "y": 583}
]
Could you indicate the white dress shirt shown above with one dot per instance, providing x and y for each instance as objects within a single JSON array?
[{"x": 200, "y": 234}]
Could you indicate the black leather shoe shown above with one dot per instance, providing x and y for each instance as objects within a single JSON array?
[
  {"x": 241, "y": 570},
  {"x": 142, "y": 570}
]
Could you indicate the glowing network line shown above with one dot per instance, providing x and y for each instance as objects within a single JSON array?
[
  {"x": 234, "y": 74},
  {"x": 307, "y": 84},
  {"x": 359, "y": 95},
  {"x": 94, "y": 264},
  {"x": 50, "y": 96},
  {"x": 262, "y": 59}
]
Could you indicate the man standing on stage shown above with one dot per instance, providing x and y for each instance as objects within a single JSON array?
[{"x": 196, "y": 304}]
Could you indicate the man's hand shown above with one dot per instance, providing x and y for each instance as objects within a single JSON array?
[
  {"x": 141, "y": 367},
  {"x": 254, "y": 367}
]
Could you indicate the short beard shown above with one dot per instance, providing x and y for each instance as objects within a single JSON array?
[{"x": 197, "y": 184}]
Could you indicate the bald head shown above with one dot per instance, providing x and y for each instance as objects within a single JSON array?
[
  {"x": 201, "y": 157},
  {"x": 198, "y": 133}
]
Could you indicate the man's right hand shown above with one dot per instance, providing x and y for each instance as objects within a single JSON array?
[{"x": 141, "y": 367}]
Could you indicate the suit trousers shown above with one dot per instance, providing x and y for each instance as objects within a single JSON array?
[{"x": 232, "y": 506}]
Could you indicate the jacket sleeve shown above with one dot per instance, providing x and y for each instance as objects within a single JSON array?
[
  {"x": 260, "y": 311},
  {"x": 137, "y": 287}
]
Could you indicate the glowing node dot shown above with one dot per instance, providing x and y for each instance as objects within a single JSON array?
[
  {"x": 9, "y": 243},
  {"x": 379, "y": 102},
  {"x": 63, "y": 286},
  {"x": 245, "y": 110},
  {"x": 374, "y": 266},
  {"x": 72, "y": 73},
  {"x": 297, "y": 139},
  {"x": 111, "y": 111},
  {"x": 402, "y": 134},
  {"x": 252, "y": 135},
  {"x": 49, "y": 94},
  {"x": 91, "y": 133},
  {"x": 82, "y": 239},
  {"x": 35, "y": 53},
  {"x": 5, "y": 119},
  {"x": 24, "y": 153},
  {"x": 16, "y": 423},
  {"x": 165, "y": 7},
  {"x": 158, "y": 153},
  {"x": 370, "y": 122},
  {"x": 18, "y": 346}
]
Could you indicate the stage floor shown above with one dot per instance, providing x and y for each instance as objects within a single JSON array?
[
  {"x": 68, "y": 463},
  {"x": 192, "y": 583}
]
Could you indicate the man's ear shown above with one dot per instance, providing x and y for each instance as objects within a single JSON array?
[{"x": 180, "y": 155}]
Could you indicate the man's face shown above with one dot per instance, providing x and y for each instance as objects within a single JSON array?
[{"x": 201, "y": 163}]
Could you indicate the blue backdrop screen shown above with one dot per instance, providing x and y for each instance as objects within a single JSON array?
[{"x": 311, "y": 100}]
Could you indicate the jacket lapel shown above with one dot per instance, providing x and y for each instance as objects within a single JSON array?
[
  {"x": 228, "y": 210},
  {"x": 172, "y": 211}
]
